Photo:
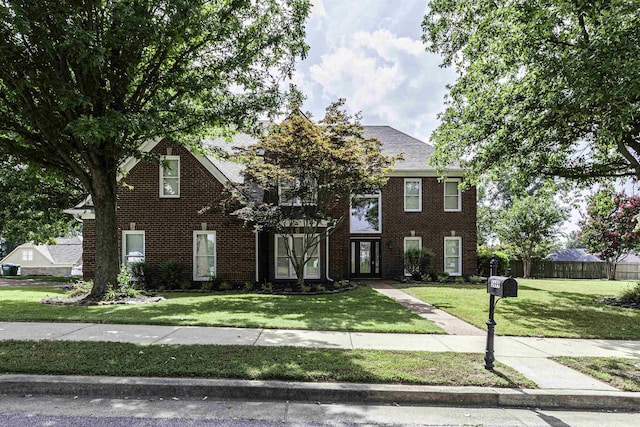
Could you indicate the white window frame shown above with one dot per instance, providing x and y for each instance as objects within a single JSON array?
[
  {"x": 406, "y": 239},
  {"x": 197, "y": 233},
  {"x": 368, "y": 196},
  {"x": 125, "y": 233},
  {"x": 459, "y": 240},
  {"x": 162, "y": 177},
  {"x": 297, "y": 201},
  {"x": 458, "y": 195},
  {"x": 292, "y": 272},
  {"x": 27, "y": 254},
  {"x": 419, "y": 181}
]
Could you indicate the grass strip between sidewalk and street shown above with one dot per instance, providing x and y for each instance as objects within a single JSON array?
[
  {"x": 621, "y": 373},
  {"x": 254, "y": 363},
  {"x": 543, "y": 308},
  {"x": 361, "y": 309}
]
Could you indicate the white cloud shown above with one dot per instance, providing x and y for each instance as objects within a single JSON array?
[{"x": 318, "y": 10}]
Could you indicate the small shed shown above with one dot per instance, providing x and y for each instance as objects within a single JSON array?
[{"x": 47, "y": 260}]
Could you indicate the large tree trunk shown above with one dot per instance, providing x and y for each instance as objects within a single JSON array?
[
  {"x": 104, "y": 188},
  {"x": 526, "y": 267}
]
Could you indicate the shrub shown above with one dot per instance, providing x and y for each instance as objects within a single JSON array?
[
  {"x": 442, "y": 277},
  {"x": 267, "y": 287},
  {"x": 459, "y": 280},
  {"x": 418, "y": 262},
  {"x": 630, "y": 295},
  {"x": 226, "y": 286},
  {"x": 142, "y": 273},
  {"x": 249, "y": 286},
  {"x": 207, "y": 286},
  {"x": 475, "y": 279},
  {"x": 484, "y": 260},
  {"x": 173, "y": 274}
]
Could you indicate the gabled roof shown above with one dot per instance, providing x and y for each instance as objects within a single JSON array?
[{"x": 66, "y": 251}]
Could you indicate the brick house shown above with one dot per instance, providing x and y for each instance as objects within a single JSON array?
[{"x": 171, "y": 211}]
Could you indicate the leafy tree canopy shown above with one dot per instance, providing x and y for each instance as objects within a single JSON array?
[
  {"x": 549, "y": 87},
  {"x": 83, "y": 84}
]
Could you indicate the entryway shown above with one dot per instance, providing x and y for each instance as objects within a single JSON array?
[{"x": 365, "y": 258}]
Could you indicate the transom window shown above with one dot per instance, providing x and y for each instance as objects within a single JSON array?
[
  {"x": 204, "y": 255},
  {"x": 412, "y": 194},
  {"x": 170, "y": 176},
  {"x": 284, "y": 266},
  {"x": 294, "y": 192},
  {"x": 452, "y": 195},
  {"x": 366, "y": 214},
  {"x": 453, "y": 255},
  {"x": 132, "y": 247}
]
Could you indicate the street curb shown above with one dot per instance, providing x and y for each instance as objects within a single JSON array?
[{"x": 189, "y": 388}]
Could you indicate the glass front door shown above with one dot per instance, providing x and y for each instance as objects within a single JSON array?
[{"x": 365, "y": 258}]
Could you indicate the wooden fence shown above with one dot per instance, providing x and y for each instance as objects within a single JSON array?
[{"x": 575, "y": 270}]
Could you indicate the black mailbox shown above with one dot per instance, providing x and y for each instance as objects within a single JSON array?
[{"x": 503, "y": 287}]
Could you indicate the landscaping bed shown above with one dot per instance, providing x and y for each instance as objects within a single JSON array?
[{"x": 254, "y": 363}]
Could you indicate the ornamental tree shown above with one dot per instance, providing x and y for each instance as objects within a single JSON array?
[
  {"x": 84, "y": 84},
  {"x": 609, "y": 229},
  {"x": 544, "y": 87},
  {"x": 529, "y": 227},
  {"x": 309, "y": 173}
]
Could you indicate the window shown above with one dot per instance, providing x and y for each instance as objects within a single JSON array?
[
  {"x": 412, "y": 195},
  {"x": 294, "y": 193},
  {"x": 27, "y": 255},
  {"x": 132, "y": 247},
  {"x": 412, "y": 243},
  {"x": 452, "y": 199},
  {"x": 170, "y": 176},
  {"x": 284, "y": 266},
  {"x": 453, "y": 255},
  {"x": 366, "y": 214},
  {"x": 204, "y": 255}
]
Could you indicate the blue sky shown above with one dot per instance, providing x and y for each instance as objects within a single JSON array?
[{"x": 371, "y": 53}]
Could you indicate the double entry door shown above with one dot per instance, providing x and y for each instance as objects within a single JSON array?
[{"x": 365, "y": 257}]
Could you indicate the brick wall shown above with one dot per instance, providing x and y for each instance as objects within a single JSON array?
[
  {"x": 432, "y": 224},
  {"x": 169, "y": 223}
]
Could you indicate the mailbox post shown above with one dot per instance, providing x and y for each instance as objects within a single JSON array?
[{"x": 502, "y": 287}]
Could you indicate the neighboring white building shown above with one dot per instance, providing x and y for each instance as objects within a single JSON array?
[{"x": 47, "y": 260}]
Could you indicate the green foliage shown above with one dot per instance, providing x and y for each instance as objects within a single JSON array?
[
  {"x": 529, "y": 227},
  {"x": 173, "y": 275},
  {"x": 475, "y": 279},
  {"x": 84, "y": 84},
  {"x": 544, "y": 87},
  {"x": 630, "y": 295},
  {"x": 226, "y": 286},
  {"x": 442, "y": 277},
  {"x": 143, "y": 274},
  {"x": 310, "y": 169},
  {"x": 609, "y": 230},
  {"x": 418, "y": 262},
  {"x": 484, "y": 262}
]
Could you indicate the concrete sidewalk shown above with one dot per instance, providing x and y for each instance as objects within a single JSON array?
[{"x": 559, "y": 385}]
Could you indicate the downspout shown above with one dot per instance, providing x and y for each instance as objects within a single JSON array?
[{"x": 257, "y": 258}]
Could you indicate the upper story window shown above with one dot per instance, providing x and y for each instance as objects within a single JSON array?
[
  {"x": 170, "y": 176},
  {"x": 27, "y": 255},
  {"x": 132, "y": 247},
  {"x": 366, "y": 214},
  {"x": 412, "y": 194},
  {"x": 296, "y": 192},
  {"x": 452, "y": 195}
]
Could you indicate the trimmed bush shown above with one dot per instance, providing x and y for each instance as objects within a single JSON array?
[
  {"x": 173, "y": 275},
  {"x": 418, "y": 262},
  {"x": 484, "y": 260},
  {"x": 142, "y": 273}
]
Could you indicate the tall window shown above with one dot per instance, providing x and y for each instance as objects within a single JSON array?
[
  {"x": 366, "y": 214},
  {"x": 170, "y": 176},
  {"x": 412, "y": 243},
  {"x": 132, "y": 247},
  {"x": 204, "y": 255},
  {"x": 27, "y": 255},
  {"x": 284, "y": 266},
  {"x": 452, "y": 195},
  {"x": 412, "y": 194},
  {"x": 453, "y": 255}
]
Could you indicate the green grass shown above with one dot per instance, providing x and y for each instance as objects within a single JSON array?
[
  {"x": 621, "y": 373},
  {"x": 362, "y": 309},
  {"x": 246, "y": 362},
  {"x": 549, "y": 308}
]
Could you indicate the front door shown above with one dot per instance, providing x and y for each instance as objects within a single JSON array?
[{"x": 365, "y": 258}]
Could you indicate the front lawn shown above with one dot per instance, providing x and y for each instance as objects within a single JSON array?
[
  {"x": 619, "y": 372},
  {"x": 362, "y": 309},
  {"x": 544, "y": 307},
  {"x": 253, "y": 363}
]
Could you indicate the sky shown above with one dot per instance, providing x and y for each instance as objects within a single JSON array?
[{"x": 371, "y": 53}]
